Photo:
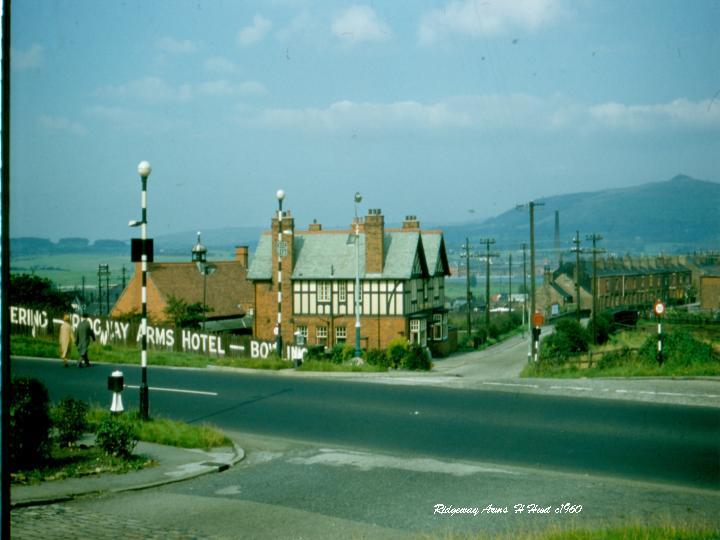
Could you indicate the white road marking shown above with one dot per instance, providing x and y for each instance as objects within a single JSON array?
[
  {"x": 178, "y": 390},
  {"x": 365, "y": 462},
  {"x": 511, "y": 384},
  {"x": 583, "y": 388}
]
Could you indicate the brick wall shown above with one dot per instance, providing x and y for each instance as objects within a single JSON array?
[
  {"x": 710, "y": 292},
  {"x": 374, "y": 241}
]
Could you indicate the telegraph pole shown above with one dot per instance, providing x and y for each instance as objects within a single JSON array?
[
  {"x": 487, "y": 242},
  {"x": 595, "y": 250},
  {"x": 510, "y": 283},
  {"x": 524, "y": 248},
  {"x": 577, "y": 249},
  {"x": 466, "y": 254},
  {"x": 531, "y": 207}
]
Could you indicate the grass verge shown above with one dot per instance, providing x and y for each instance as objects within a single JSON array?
[
  {"x": 85, "y": 460},
  {"x": 319, "y": 365}
]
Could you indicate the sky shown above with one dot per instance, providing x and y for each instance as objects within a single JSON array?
[{"x": 452, "y": 111}]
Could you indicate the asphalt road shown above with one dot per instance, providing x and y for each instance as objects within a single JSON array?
[{"x": 650, "y": 442}]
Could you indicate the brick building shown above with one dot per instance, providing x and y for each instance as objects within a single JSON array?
[
  {"x": 402, "y": 283},
  {"x": 621, "y": 282},
  {"x": 228, "y": 293}
]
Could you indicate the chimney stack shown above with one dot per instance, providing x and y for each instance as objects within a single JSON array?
[
  {"x": 411, "y": 223},
  {"x": 241, "y": 255},
  {"x": 374, "y": 241}
]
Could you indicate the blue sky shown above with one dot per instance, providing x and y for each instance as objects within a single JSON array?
[{"x": 448, "y": 110}]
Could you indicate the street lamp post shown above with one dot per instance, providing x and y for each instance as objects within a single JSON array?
[
  {"x": 199, "y": 257},
  {"x": 358, "y": 352},
  {"x": 279, "y": 251},
  {"x": 144, "y": 170}
]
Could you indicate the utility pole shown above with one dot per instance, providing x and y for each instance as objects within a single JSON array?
[
  {"x": 577, "y": 249},
  {"x": 487, "y": 242},
  {"x": 123, "y": 277},
  {"x": 466, "y": 253},
  {"x": 524, "y": 248},
  {"x": 510, "y": 283},
  {"x": 595, "y": 250},
  {"x": 531, "y": 207}
]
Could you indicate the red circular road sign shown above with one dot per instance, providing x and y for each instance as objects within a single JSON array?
[
  {"x": 538, "y": 319},
  {"x": 659, "y": 308}
]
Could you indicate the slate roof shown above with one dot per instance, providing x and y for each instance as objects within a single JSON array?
[
  {"x": 227, "y": 286},
  {"x": 331, "y": 255}
]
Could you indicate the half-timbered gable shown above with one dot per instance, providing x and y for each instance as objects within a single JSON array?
[{"x": 401, "y": 275}]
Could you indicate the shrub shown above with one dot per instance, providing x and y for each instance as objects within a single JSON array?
[
  {"x": 602, "y": 328},
  {"x": 29, "y": 422},
  {"x": 341, "y": 353},
  {"x": 679, "y": 348},
  {"x": 396, "y": 350},
  {"x": 377, "y": 357},
  {"x": 315, "y": 352},
  {"x": 117, "y": 435},
  {"x": 70, "y": 419},
  {"x": 417, "y": 358},
  {"x": 569, "y": 338}
]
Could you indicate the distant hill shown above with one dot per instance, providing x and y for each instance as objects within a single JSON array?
[{"x": 679, "y": 215}]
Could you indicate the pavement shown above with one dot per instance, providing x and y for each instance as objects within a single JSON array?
[
  {"x": 496, "y": 368},
  {"x": 173, "y": 465}
]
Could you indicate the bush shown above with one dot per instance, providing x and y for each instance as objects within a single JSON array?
[
  {"x": 117, "y": 435},
  {"x": 341, "y": 353},
  {"x": 377, "y": 357},
  {"x": 569, "y": 338},
  {"x": 315, "y": 352},
  {"x": 70, "y": 419},
  {"x": 29, "y": 423},
  {"x": 679, "y": 349},
  {"x": 602, "y": 328},
  {"x": 417, "y": 358},
  {"x": 396, "y": 351}
]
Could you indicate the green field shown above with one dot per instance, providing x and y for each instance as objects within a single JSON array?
[{"x": 67, "y": 270}]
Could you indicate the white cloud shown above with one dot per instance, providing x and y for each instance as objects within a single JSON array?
[
  {"x": 516, "y": 114},
  {"x": 31, "y": 58},
  {"x": 152, "y": 89},
  {"x": 360, "y": 23},
  {"x": 224, "y": 88},
  {"x": 61, "y": 124},
  {"x": 255, "y": 32},
  {"x": 479, "y": 18},
  {"x": 679, "y": 113},
  {"x": 174, "y": 46},
  {"x": 219, "y": 64}
]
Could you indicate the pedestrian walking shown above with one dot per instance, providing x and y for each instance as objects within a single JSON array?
[
  {"x": 66, "y": 339},
  {"x": 84, "y": 334}
]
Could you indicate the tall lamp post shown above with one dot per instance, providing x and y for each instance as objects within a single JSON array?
[
  {"x": 199, "y": 257},
  {"x": 144, "y": 170},
  {"x": 358, "y": 352},
  {"x": 281, "y": 251}
]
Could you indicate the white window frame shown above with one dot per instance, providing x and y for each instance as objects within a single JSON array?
[
  {"x": 340, "y": 334},
  {"x": 321, "y": 335},
  {"x": 342, "y": 291},
  {"x": 324, "y": 291}
]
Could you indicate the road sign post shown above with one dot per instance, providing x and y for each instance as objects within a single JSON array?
[
  {"x": 537, "y": 320},
  {"x": 659, "y": 310}
]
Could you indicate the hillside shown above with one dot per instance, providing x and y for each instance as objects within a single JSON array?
[{"x": 679, "y": 215}]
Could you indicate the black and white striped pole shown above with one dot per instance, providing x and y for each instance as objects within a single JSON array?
[
  {"x": 144, "y": 170},
  {"x": 659, "y": 309},
  {"x": 358, "y": 350},
  {"x": 280, "y": 253}
]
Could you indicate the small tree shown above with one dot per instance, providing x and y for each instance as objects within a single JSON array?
[
  {"x": 396, "y": 350},
  {"x": 184, "y": 315},
  {"x": 569, "y": 338},
  {"x": 117, "y": 435},
  {"x": 40, "y": 293},
  {"x": 29, "y": 422},
  {"x": 70, "y": 419}
]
